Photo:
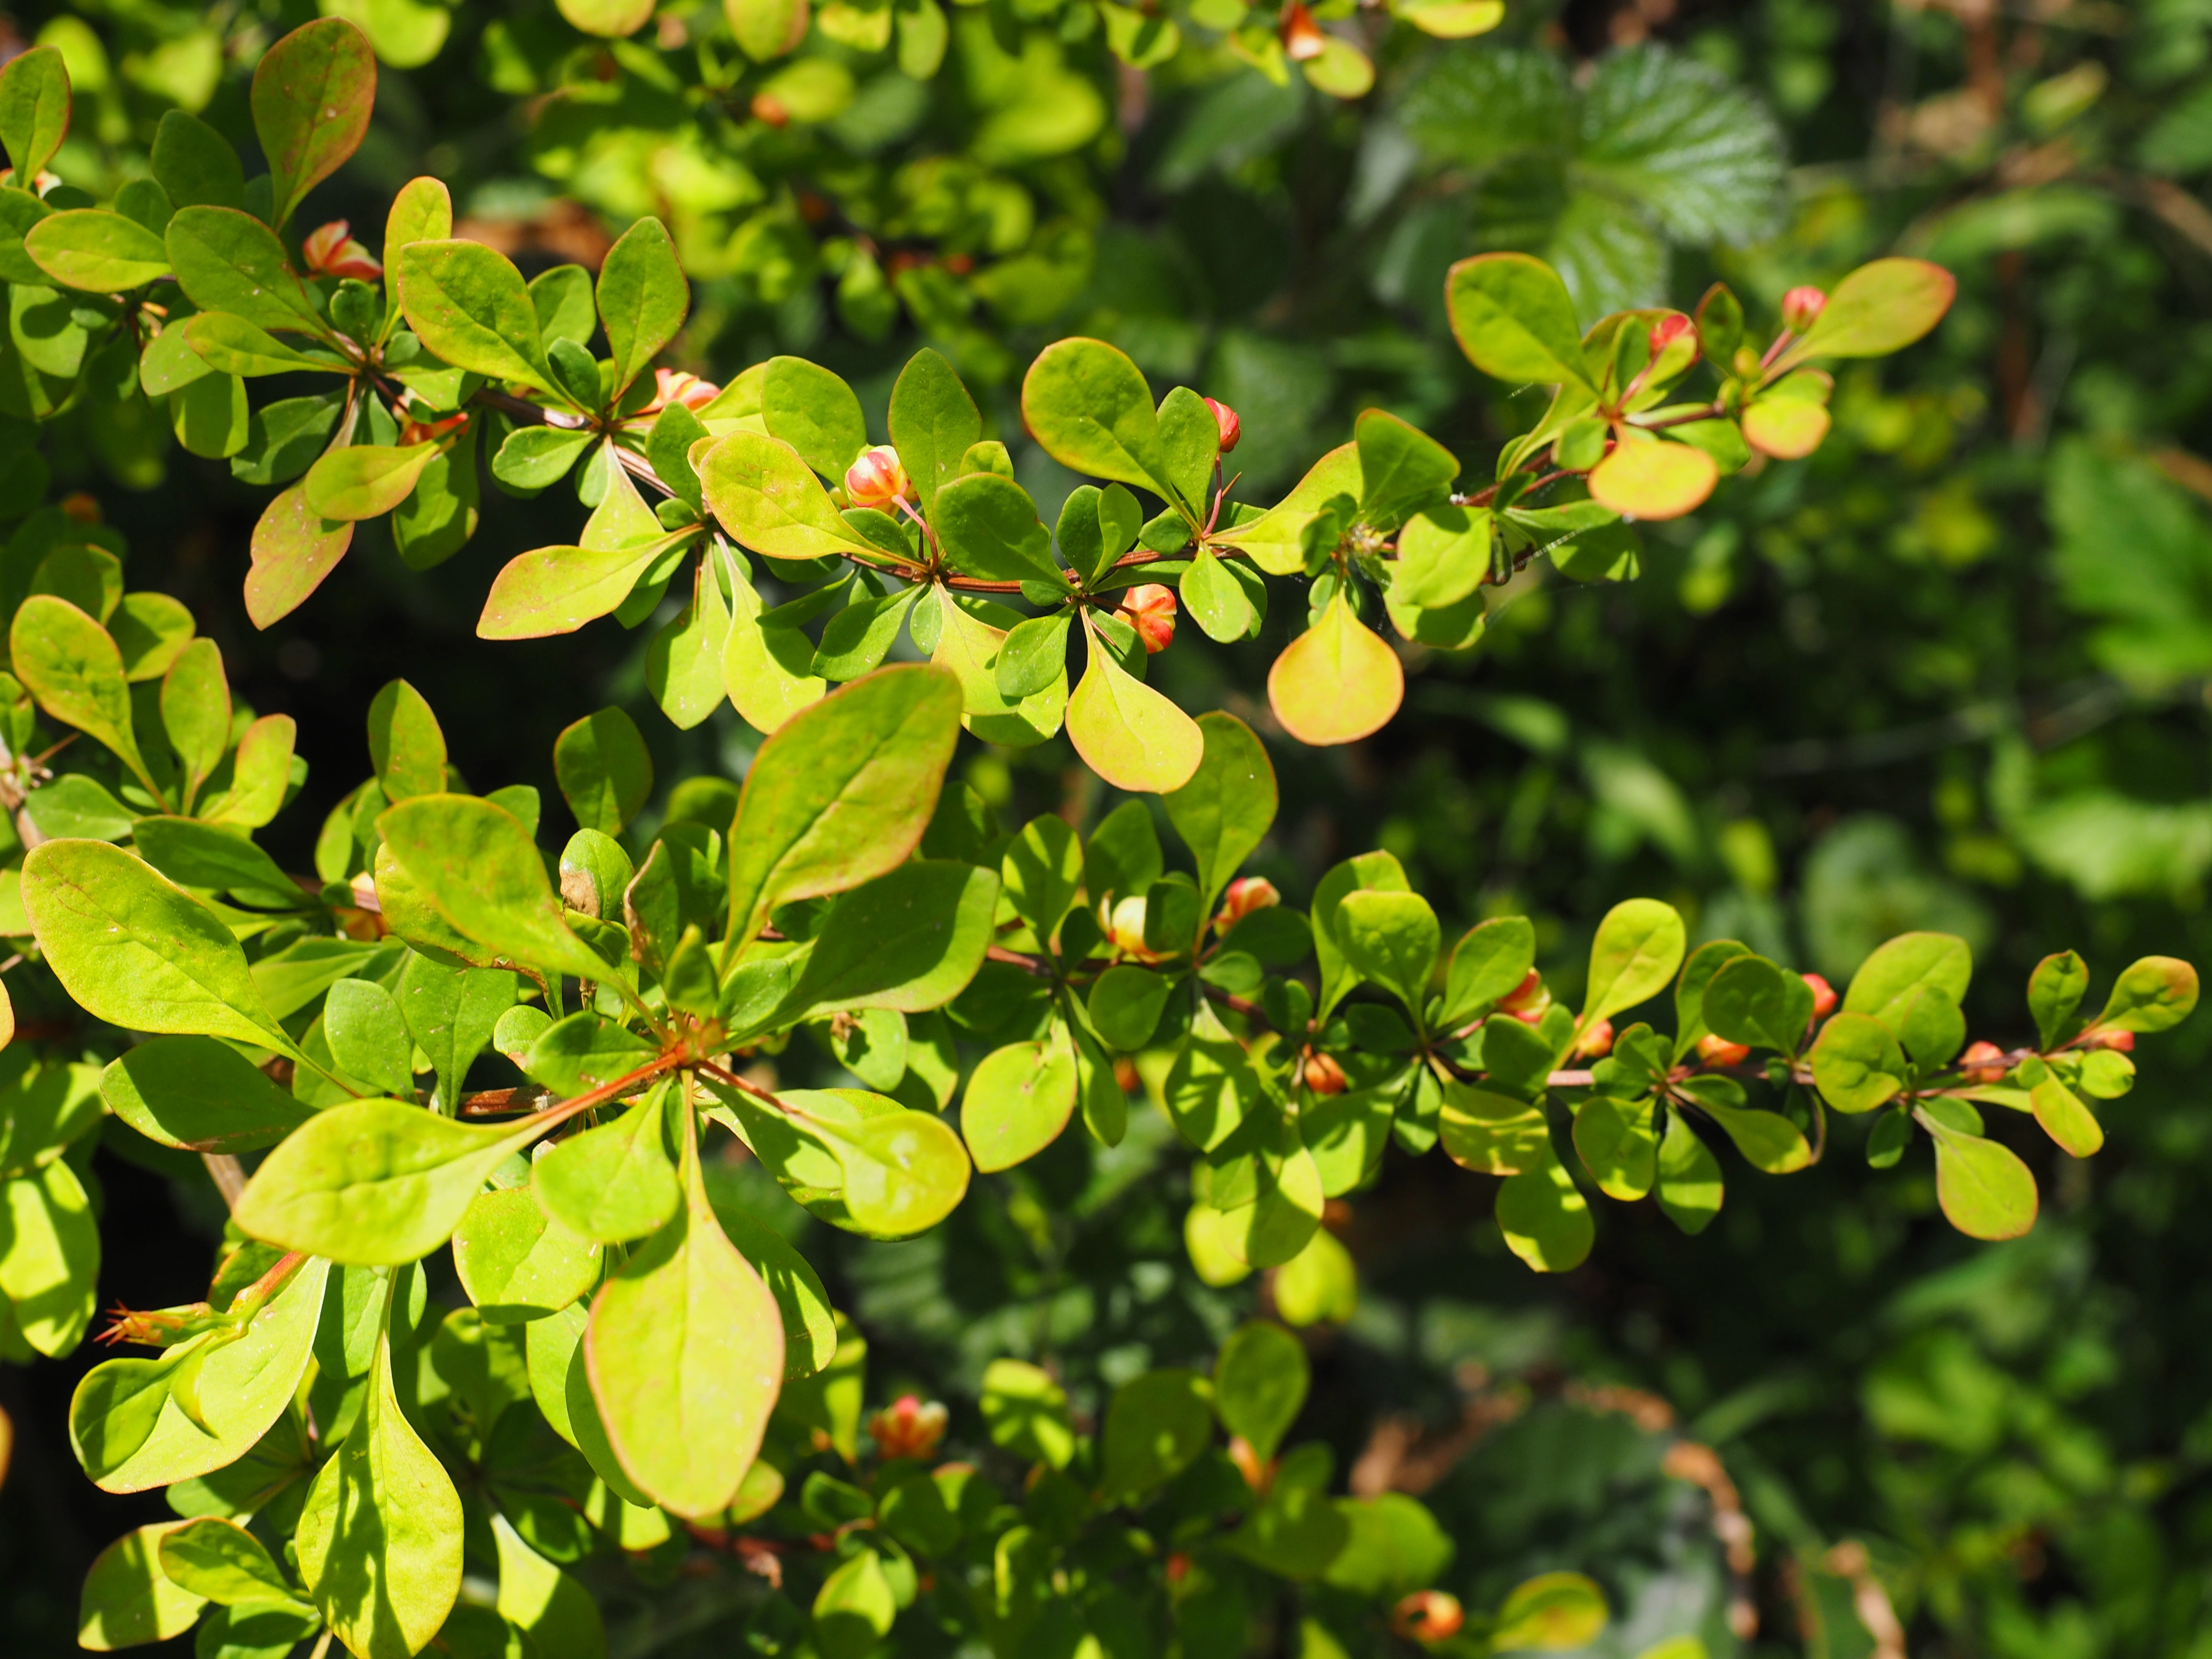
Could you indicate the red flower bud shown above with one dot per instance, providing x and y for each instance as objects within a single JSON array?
[
  {"x": 1983, "y": 1062},
  {"x": 330, "y": 251},
  {"x": 908, "y": 1428},
  {"x": 1225, "y": 418},
  {"x": 1800, "y": 306},
  {"x": 769, "y": 108},
  {"x": 1528, "y": 995},
  {"x": 1428, "y": 1616},
  {"x": 1596, "y": 1042},
  {"x": 1245, "y": 894},
  {"x": 876, "y": 479},
  {"x": 1669, "y": 329},
  {"x": 1324, "y": 1076},
  {"x": 2122, "y": 1041},
  {"x": 674, "y": 386},
  {"x": 1824, "y": 995},
  {"x": 1150, "y": 609},
  {"x": 1302, "y": 40},
  {"x": 1719, "y": 1051}
]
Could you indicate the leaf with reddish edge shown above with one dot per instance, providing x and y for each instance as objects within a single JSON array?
[
  {"x": 1649, "y": 479},
  {"x": 311, "y": 96},
  {"x": 556, "y": 590},
  {"x": 364, "y": 480},
  {"x": 1339, "y": 681},
  {"x": 295, "y": 547},
  {"x": 1879, "y": 308}
]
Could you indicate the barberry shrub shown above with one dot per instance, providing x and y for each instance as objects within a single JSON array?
[{"x": 644, "y": 1363}]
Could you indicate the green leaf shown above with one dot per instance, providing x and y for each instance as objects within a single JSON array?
[
  {"x": 1554, "y": 1612},
  {"x": 1378, "y": 871},
  {"x": 34, "y": 110},
  {"x": 685, "y": 1351},
  {"x": 1615, "y": 1141},
  {"x": 198, "y": 1095},
  {"x": 1026, "y": 1412},
  {"x": 765, "y": 496},
  {"x": 1768, "y": 1140},
  {"x": 1986, "y": 1192},
  {"x": 810, "y": 1328},
  {"x": 220, "y": 1561},
  {"x": 933, "y": 422},
  {"x": 1652, "y": 478},
  {"x": 534, "y": 457},
  {"x": 452, "y": 1012},
  {"x": 312, "y": 92},
  {"x": 1391, "y": 939},
  {"x": 815, "y": 412},
  {"x": 2064, "y": 1118},
  {"x": 1751, "y": 1001},
  {"x": 140, "y": 952},
  {"x": 1275, "y": 540},
  {"x": 379, "y": 1539},
  {"x": 1879, "y": 308},
  {"x": 1856, "y": 1063},
  {"x": 582, "y": 1053},
  {"x": 128, "y": 1601},
  {"x": 131, "y": 1436},
  {"x": 1491, "y": 1133},
  {"x": 364, "y": 480},
  {"x": 226, "y": 260},
  {"x": 478, "y": 867},
  {"x": 1443, "y": 554},
  {"x": 1401, "y": 468},
  {"x": 468, "y": 306},
  {"x": 1545, "y": 1218},
  {"x": 1211, "y": 1088},
  {"x": 605, "y": 771},
  {"x": 1690, "y": 1189},
  {"x": 1156, "y": 1427},
  {"x": 1338, "y": 682},
  {"x": 1087, "y": 404},
  {"x": 1888, "y": 981},
  {"x": 1637, "y": 948},
  {"x": 231, "y": 345},
  {"x": 196, "y": 165},
  {"x": 853, "y": 1610},
  {"x": 1491, "y": 959},
  {"x": 516, "y": 1263},
  {"x": 616, "y": 1183},
  {"x": 556, "y": 590},
  {"x": 1260, "y": 1380},
  {"x": 1125, "y": 1006},
  {"x": 96, "y": 251},
  {"x": 293, "y": 549},
  {"x": 1225, "y": 809},
  {"x": 368, "y": 1038},
  {"x": 1019, "y": 1100},
  {"x": 903, "y": 1171},
  {"x": 406, "y": 746},
  {"x": 643, "y": 298},
  {"x": 988, "y": 526},
  {"x": 48, "y": 1256},
  {"x": 908, "y": 941},
  {"x": 974, "y": 650},
  {"x": 373, "y": 1182},
  {"x": 2154, "y": 994},
  {"x": 1512, "y": 316},
  {"x": 2055, "y": 990},
  {"x": 842, "y": 793},
  {"x": 535, "y": 1596},
  {"x": 1126, "y": 732},
  {"x": 1042, "y": 874},
  {"x": 70, "y": 664},
  {"x": 1320, "y": 1283},
  {"x": 1698, "y": 972}
]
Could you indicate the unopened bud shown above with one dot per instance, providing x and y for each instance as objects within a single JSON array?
[
  {"x": 1178, "y": 1567},
  {"x": 331, "y": 252},
  {"x": 1596, "y": 1042},
  {"x": 1257, "y": 1475},
  {"x": 1529, "y": 995},
  {"x": 1719, "y": 1051},
  {"x": 1428, "y": 1616},
  {"x": 1801, "y": 307},
  {"x": 1125, "y": 925},
  {"x": 1824, "y": 995},
  {"x": 769, "y": 108},
  {"x": 908, "y": 1428},
  {"x": 1983, "y": 1062},
  {"x": 2122, "y": 1041},
  {"x": 1150, "y": 608},
  {"x": 1303, "y": 40},
  {"x": 1324, "y": 1076},
  {"x": 1225, "y": 418},
  {"x": 1669, "y": 329},
  {"x": 876, "y": 479},
  {"x": 1245, "y": 894},
  {"x": 675, "y": 386}
]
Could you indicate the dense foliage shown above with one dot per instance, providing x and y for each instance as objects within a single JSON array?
[{"x": 1037, "y": 976}]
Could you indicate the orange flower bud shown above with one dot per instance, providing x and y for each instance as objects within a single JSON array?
[
  {"x": 1596, "y": 1043},
  {"x": 1983, "y": 1062},
  {"x": 908, "y": 1428},
  {"x": 1324, "y": 1076},
  {"x": 423, "y": 431},
  {"x": 1428, "y": 1616},
  {"x": 330, "y": 251},
  {"x": 1257, "y": 1475},
  {"x": 2122, "y": 1041},
  {"x": 1668, "y": 330},
  {"x": 1150, "y": 609},
  {"x": 1528, "y": 995},
  {"x": 674, "y": 386},
  {"x": 1225, "y": 418},
  {"x": 770, "y": 109},
  {"x": 1245, "y": 894},
  {"x": 1303, "y": 40},
  {"x": 1178, "y": 1567},
  {"x": 1719, "y": 1051},
  {"x": 1824, "y": 995},
  {"x": 1801, "y": 307},
  {"x": 876, "y": 479}
]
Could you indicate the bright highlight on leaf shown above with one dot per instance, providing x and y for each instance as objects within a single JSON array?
[{"x": 1338, "y": 682}]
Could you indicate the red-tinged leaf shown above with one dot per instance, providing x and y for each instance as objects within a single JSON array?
[
  {"x": 1787, "y": 428},
  {"x": 295, "y": 547},
  {"x": 556, "y": 590},
  {"x": 1652, "y": 479},
  {"x": 311, "y": 96},
  {"x": 1339, "y": 681},
  {"x": 1879, "y": 308}
]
